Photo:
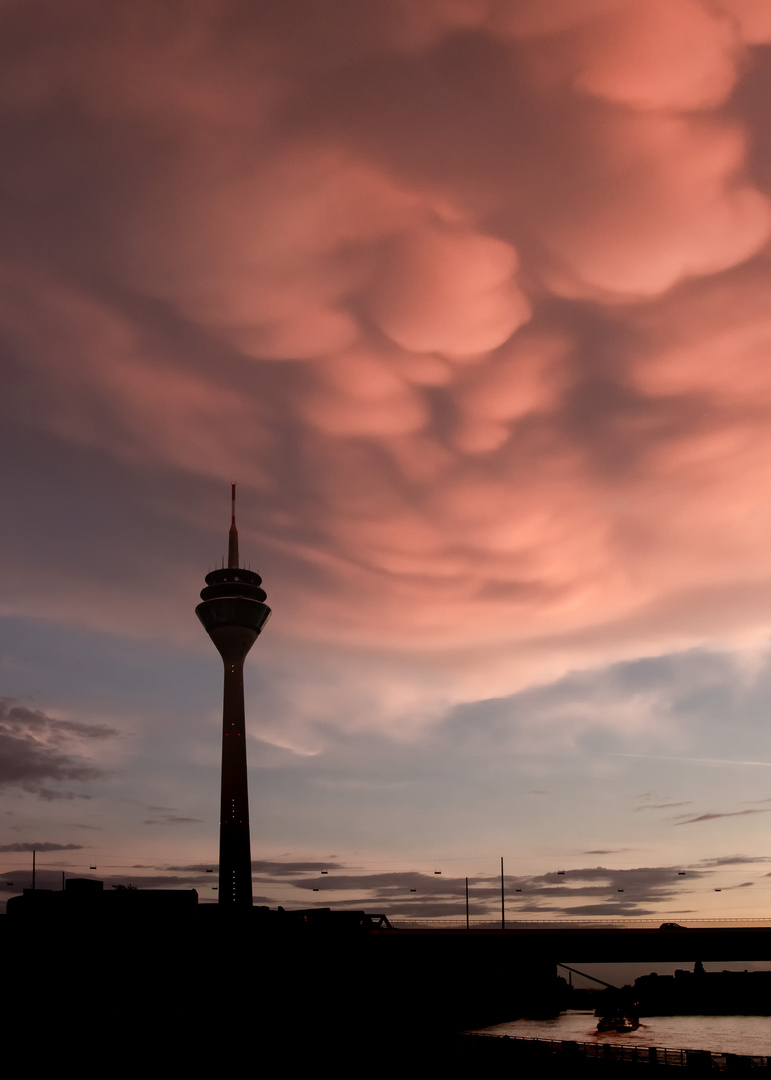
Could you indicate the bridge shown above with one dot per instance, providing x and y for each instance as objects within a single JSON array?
[
  {"x": 472, "y": 978},
  {"x": 596, "y": 944}
]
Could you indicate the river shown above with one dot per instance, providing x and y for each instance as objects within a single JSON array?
[{"x": 749, "y": 1035}]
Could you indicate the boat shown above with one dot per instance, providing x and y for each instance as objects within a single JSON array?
[{"x": 618, "y": 1022}]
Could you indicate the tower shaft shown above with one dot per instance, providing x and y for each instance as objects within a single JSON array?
[{"x": 235, "y": 880}]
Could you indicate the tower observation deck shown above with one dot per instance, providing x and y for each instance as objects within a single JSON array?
[{"x": 233, "y": 613}]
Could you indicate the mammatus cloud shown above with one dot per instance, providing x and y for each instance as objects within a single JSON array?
[
  {"x": 36, "y": 749},
  {"x": 471, "y": 297}
]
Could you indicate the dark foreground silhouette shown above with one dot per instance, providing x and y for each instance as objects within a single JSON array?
[
  {"x": 151, "y": 982},
  {"x": 151, "y": 977}
]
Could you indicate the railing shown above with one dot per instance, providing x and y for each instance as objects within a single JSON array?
[{"x": 705, "y": 1060}]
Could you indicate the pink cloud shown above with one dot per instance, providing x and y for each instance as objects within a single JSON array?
[
  {"x": 516, "y": 255},
  {"x": 656, "y": 55},
  {"x": 449, "y": 292}
]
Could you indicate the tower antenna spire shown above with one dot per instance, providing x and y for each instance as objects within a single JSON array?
[{"x": 233, "y": 534}]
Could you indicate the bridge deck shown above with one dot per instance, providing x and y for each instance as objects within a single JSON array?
[{"x": 598, "y": 944}]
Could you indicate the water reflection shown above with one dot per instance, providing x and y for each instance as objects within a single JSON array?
[{"x": 749, "y": 1035}]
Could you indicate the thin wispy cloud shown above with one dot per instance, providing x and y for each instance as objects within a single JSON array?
[
  {"x": 727, "y": 814},
  {"x": 40, "y": 846},
  {"x": 733, "y": 860},
  {"x": 172, "y": 819},
  {"x": 694, "y": 760},
  {"x": 662, "y": 806}
]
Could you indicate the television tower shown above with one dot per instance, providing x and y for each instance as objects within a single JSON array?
[{"x": 233, "y": 613}]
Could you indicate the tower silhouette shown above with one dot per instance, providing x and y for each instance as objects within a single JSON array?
[{"x": 233, "y": 614}]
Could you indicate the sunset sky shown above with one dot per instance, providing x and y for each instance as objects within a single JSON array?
[{"x": 473, "y": 300}]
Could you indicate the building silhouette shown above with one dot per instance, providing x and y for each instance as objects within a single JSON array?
[{"x": 233, "y": 613}]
